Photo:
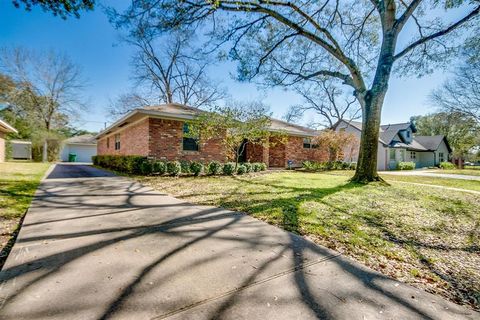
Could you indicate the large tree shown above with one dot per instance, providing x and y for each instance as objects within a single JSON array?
[
  {"x": 48, "y": 87},
  {"x": 62, "y": 8},
  {"x": 324, "y": 98},
  {"x": 354, "y": 42},
  {"x": 461, "y": 93},
  {"x": 167, "y": 68}
]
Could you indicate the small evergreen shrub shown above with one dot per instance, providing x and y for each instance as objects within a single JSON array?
[
  {"x": 174, "y": 168},
  {"x": 447, "y": 165},
  {"x": 263, "y": 166},
  {"x": 159, "y": 167},
  {"x": 185, "y": 166},
  {"x": 146, "y": 168},
  {"x": 229, "y": 168},
  {"x": 353, "y": 166},
  {"x": 248, "y": 167},
  {"x": 196, "y": 168},
  {"x": 214, "y": 168},
  {"x": 241, "y": 169},
  {"x": 408, "y": 165},
  {"x": 256, "y": 167}
]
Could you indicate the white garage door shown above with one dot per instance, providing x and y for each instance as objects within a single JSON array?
[{"x": 84, "y": 152}]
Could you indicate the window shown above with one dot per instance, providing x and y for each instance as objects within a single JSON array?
[
  {"x": 392, "y": 154},
  {"x": 408, "y": 133},
  {"x": 307, "y": 143},
  {"x": 189, "y": 144},
  {"x": 117, "y": 141},
  {"x": 441, "y": 157},
  {"x": 108, "y": 143},
  {"x": 413, "y": 155}
]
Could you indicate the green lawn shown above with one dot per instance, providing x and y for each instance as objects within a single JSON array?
[
  {"x": 445, "y": 182},
  {"x": 18, "y": 182},
  {"x": 468, "y": 172},
  {"x": 424, "y": 236}
]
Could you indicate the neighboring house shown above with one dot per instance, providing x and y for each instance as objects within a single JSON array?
[
  {"x": 83, "y": 146},
  {"x": 21, "y": 149},
  {"x": 158, "y": 132},
  {"x": 4, "y": 129},
  {"x": 397, "y": 143}
]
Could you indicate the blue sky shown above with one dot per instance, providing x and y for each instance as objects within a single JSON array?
[{"x": 93, "y": 44}]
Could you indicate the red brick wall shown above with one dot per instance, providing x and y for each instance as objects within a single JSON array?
[
  {"x": 133, "y": 141},
  {"x": 276, "y": 154},
  {"x": 295, "y": 151},
  {"x": 166, "y": 142},
  {"x": 256, "y": 153}
]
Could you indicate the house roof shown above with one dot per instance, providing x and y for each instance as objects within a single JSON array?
[
  {"x": 5, "y": 127},
  {"x": 176, "y": 111},
  {"x": 432, "y": 142},
  {"x": 389, "y": 132},
  {"x": 81, "y": 139}
]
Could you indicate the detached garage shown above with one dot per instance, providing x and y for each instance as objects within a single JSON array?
[{"x": 84, "y": 147}]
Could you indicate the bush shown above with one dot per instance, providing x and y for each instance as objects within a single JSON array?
[
  {"x": 447, "y": 165},
  {"x": 146, "y": 168},
  {"x": 159, "y": 167},
  {"x": 196, "y": 168},
  {"x": 174, "y": 168},
  {"x": 185, "y": 166},
  {"x": 353, "y": 166},
  {"x": 248, "y": 167},
  {"x": 128, "y": 164},
  {"x": 256, "y": 167},
  {"x": 263, "y": 166},
  {"x": 406, "y": 165},
  {"x": 214, "y": 168},
  {"x": 241, "y": 169},
  {"x": 229, "y": 168}
]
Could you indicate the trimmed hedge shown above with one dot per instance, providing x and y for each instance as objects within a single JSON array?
[
  {"x": 196, "y": 168},
  {"x": 447, "y": 165},
  {"x": 410, "y": 165},
  {"x": 144, "y": 166},
  {"x": 241, "y": 169},
  {"x": 229, "y": 168},
  {"x": 174, "y": 168},
  {"x": 328, "y": 165},
  {"x": 128, "y": 164},
  {"x": 159, "y": 167}
]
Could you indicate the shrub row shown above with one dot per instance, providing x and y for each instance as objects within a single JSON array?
[
  {"x": 141, "y": 165},
  {"x": 406, "y": 165},
  {"x": 328, "y": 165}
]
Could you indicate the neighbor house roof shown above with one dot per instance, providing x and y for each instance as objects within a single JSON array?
[
  {"x": 176, "y": 111},
  {"x": 432, "y": 142},
  {"x": 5, "y": 127},
  {"x": 81, "y": 139},
  {"x": 389, "y": 131}
]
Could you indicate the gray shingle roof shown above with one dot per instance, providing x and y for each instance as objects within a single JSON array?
[
  {"x": 430, "y": 142},
  {"x": 82, "y": 139}
]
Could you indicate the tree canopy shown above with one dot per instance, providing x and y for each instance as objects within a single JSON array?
[
  {"x": 356, "y": 43},
  {"x": 61, "y": 8}
]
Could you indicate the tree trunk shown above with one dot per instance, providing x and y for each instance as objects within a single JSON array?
[
  {"x": 367, "y": 160},
  {"x": 45, "y": 151}
]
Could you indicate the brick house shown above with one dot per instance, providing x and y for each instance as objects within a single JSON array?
[{"x": 158, "y": 132}]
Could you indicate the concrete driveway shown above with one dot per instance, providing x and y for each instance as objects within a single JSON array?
[{"x": 96, "y": 246}]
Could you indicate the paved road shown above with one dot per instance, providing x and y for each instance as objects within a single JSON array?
[
  {"x": 94, "y": 246},
  {"x": 431, "y": 174}
]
